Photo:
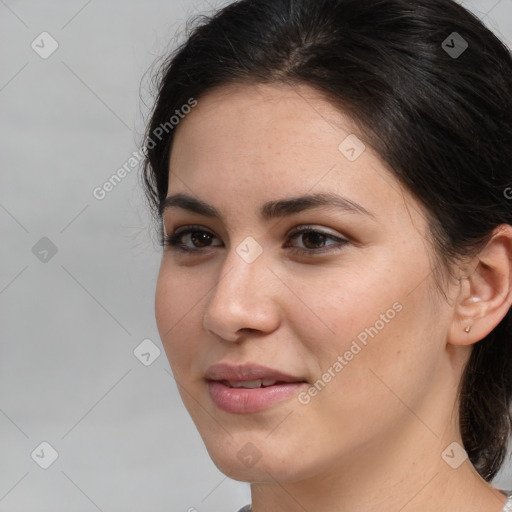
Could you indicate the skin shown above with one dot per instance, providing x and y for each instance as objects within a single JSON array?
[{"x": 373, "y": 438}]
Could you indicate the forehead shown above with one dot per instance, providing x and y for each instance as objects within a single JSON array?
[
  {"x": 273, "y": 128},
  {"x": 273, "y": 141},
  {"x": 264, "y": 111}
]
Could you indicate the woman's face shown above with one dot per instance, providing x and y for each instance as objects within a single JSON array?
[{"x": 346, "y": 312}]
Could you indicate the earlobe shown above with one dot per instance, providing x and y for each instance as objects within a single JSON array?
[
  {"x": 485, "y": 294},
  {"x": 467, "y": 329}
]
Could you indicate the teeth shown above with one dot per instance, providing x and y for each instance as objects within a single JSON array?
[
  {"x": 248, "y": 384},
  {"x": 251, "y": 384}
]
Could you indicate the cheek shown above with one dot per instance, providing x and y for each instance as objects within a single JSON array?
[
  {"x": 179, "y": 296},
  {"x": 373, "y": 320},
  {"x": 177, "y": 303},
  {"x": 383, "y": 348},
  {"x": 342, "y": 306}
]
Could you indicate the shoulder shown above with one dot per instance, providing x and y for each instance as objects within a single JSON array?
[{"x": 508, "y": 505}]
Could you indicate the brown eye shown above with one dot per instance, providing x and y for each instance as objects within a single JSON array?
[
  {"x": 200, "y": 238},
  {"x": 314, "y": 241},
  {"x": 189, "y": 239}
]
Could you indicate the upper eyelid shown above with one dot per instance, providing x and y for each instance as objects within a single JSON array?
[{"x": 312, "y": 227}]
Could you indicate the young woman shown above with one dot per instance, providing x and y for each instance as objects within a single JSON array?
[{"x": 332, "y": 180}]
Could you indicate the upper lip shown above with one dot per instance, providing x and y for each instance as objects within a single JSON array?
[{"x": 248, "y": 371}]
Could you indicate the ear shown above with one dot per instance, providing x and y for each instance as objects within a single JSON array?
[{"x": 485, "y": 294}]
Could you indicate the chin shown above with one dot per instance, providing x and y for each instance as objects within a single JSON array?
[{"x": 244, "y": 461}]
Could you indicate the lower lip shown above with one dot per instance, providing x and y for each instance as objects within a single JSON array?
[{"x": 248, "y": 401}]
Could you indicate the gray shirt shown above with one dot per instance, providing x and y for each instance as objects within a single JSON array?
[{"x": 506, "y": 508}]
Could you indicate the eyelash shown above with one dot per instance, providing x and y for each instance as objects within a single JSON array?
[{"x": 173, "y": 240}]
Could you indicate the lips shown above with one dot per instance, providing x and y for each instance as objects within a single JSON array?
[
  {"x": 249, "y": 388},
  {"x": 250, "y": 384},
  {"x": 248, "y": 372}
]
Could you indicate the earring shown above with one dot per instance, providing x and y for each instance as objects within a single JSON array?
[{"x": 467, "y": 329}]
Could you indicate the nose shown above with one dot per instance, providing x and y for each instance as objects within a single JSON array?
[{"x": 245, "y": 299}]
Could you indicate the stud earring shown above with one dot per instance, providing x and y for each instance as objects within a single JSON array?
[{"x": 467, "y": 329}]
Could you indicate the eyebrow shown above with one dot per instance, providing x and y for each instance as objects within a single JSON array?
[{"x": 271, "y": 209}]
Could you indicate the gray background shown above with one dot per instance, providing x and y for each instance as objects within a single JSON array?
[{"x": 70, "y": 321}]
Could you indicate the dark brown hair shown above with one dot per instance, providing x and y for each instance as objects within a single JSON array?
[{"x": 438, "y": 113}]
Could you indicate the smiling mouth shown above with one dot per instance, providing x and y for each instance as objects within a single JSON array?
[
  {"x": 250, "y": 388},
  {"x": 251, "y": 384},
  {"x": 251, "y": 396}
]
